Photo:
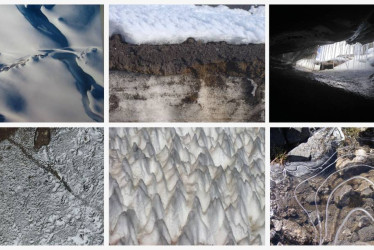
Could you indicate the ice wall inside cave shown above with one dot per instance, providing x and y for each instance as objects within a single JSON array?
[
  {"x": 342, "y": 56},
  {"x": 187, "y": 186}
]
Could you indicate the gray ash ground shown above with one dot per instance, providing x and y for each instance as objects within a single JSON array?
[
  {"x": 336, "y": 215},
  {"x": 51, "y": 186},
  {"x": 192, "y": 81}
]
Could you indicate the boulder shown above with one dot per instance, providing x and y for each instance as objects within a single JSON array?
[
  {"x": 295, "y": 233},
  {"x": 310, "y": 199},
  {"x": 342, "y": 195},
  {"x": 297, "y": 135},
  {"x": 277, "y": 225},
  {"x": 314, "y": 154},
  {"x": 366, "y": 233}
]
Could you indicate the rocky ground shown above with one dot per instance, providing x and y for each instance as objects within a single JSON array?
[
  {"x": 51, "y": 186},
  {"x": 326, "y": 196},
  {"x": 190, "y": 80}
]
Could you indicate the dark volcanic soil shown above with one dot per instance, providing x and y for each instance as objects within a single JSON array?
[{"x": 189, "y": 57}]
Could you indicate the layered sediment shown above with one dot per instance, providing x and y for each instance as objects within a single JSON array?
[{"x": 189, "y": 80}]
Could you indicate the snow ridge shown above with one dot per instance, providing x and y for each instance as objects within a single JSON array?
[
  {"x": 187, "y": 186},
  {"x": 163, "y": 24}
]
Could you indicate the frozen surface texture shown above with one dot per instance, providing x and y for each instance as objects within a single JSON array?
[
  {"x": 159, "y": 24},
  {"x": 51, "y": 63},
  {"x": 51, "y": 186},
  {"x": 187, "y": 186}
]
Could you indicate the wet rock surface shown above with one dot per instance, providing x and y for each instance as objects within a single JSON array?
[
  {"x": 331, "y": 205},
  {"x": 51, "y": 186},
  {"x": 309, "y": 156}
]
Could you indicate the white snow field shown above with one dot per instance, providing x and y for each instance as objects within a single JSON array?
[
  {"x": 187, "y": 186},
  {"x": 167, "y": 24},
  {"x": 51, "y": 63}
]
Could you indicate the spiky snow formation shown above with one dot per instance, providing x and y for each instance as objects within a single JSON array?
[{"x": 187, "y": 186}]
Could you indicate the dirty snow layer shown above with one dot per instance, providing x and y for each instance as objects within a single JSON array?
[
  {"x": 160, "y": 24},
  {"x": 187, "y": 186},
  {"x": 144, "y": 98},
  {"x": 51, "y": 63},
  {"x": 52, "y": 194}
]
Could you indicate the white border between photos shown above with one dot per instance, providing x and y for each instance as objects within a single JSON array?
[{"x": 106, "y": 125}]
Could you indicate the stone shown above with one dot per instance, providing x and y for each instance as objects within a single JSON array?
[
  {"x": 42, "y": 137},
  {"x": 5, "y": 133},
  {"x": 342, "y": 195},
  {"x": 314, "y": 217},
  {"x": 292, "y": 212},
  {"x": 277, "y": 138},
  {"x": 297, "y": 135},
  {"x": 295, "y": 233},
  {"x": 277, "y": 225},
  {"x": 309, "y": 156},
  {"x": 366, "y": 233},
  {"x": 365, "y": 189},
  {"x": 364, "y": 221},
  {"x": 310, "y": 199}
]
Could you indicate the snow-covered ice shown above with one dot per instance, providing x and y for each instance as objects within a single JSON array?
[
  {"x": 187, "y": 186},
  {"x": 163, "y": 24},
  {"x": 51, "y": 63}
]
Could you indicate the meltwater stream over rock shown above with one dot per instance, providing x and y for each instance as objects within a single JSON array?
[{"x": 323, "y": 193}]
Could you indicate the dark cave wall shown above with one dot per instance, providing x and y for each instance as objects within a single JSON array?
[{"x": 297, "y": 30}]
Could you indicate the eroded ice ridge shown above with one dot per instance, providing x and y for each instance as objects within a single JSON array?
[
  {"x": 52, "y": 193},
  {"x": 187, "y": 186},
  {"x": 51, "y": 63},
  {"x": 160, "y": 24}
]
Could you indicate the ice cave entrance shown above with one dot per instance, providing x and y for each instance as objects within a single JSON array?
[{"x": 340, "y": 56}]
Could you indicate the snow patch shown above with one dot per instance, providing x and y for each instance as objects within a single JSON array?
[{"x": 160, "y": 24}]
